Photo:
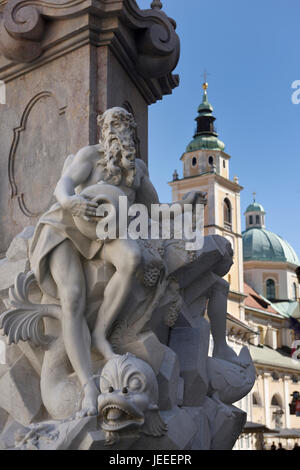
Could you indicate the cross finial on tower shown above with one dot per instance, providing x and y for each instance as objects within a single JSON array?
[
  {"x": 156, "y": 5},
  {"x": 205, "y": 84},
  {"x": 254, "y": 197}
]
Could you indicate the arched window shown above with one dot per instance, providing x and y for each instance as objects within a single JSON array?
[
  {"x": 210, "y": 160},
  {"x": 270, "y": 289},
  {"x": 194, "y": 161},
  {"x": 227, "y": 213},
  {"x": 250, "y": 219},
  {"x": 257, "y": 219},
  {"x": 276, "y": 400},
  {"x": 295, "y": 296},
  {"x": 256, "y": 399}
]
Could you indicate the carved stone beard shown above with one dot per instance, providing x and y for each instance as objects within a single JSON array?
[{"x": 119, "y": 154}]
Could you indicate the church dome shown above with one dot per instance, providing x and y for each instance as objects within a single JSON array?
[
  {"x": 206, "y": 142},
  {"x": 260, "y": 244},
  {"x": 255, "y": 207}
]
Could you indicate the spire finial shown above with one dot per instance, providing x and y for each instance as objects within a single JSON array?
[
  {"x": 205, "y": 84},
  {"x": 254, "y": 197},
  {"x": 156, "y": 5}
]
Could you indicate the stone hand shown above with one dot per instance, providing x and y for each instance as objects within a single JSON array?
[
  {"x": 80, "y": 207},
  {"x": 195, "y": 197}
]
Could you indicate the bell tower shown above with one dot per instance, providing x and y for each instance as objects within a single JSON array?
[{"x": 206, "y": 168}]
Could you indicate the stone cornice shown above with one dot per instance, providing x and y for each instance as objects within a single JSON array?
[
  {"x": 223, "y": 229},
  {"x": 275, "y": 316},
  {"x": 263, "y": 368},
  {"x": 241, "y": 324},
  {"x": 144, "y": 40},
  {"x": 233, "y": 294},
  {"x": 269, "y": 265},
  {"x": 208, "y": 176}
]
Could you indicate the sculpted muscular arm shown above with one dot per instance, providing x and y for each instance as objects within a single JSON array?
[
  {"x": 75, "y": 174},
  {"x": 146, "y": 193}
]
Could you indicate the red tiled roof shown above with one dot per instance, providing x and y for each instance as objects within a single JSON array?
[{"x": 254, "y": 300}]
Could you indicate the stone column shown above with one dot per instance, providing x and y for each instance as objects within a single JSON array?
[
  {"x": 286, "y": 401},
  {"x": 63, "y": 62},
  {"x": 266, "y": 377}
]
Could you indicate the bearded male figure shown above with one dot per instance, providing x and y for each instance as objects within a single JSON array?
[{"x": 58, "y": 246}]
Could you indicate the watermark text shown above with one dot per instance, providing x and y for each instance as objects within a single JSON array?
[{"x": 163, "y": 221}]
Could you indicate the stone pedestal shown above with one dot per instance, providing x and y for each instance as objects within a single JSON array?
[
  {"x": 63, "y": 64},
  {"x": 194, "y": 392}
]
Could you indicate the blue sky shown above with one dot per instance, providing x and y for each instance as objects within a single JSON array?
[{"x": 251, "y": 50}]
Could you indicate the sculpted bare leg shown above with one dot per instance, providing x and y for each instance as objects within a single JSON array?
[
  {"x": 216, "y": 310},
  {"x": 67, "y": 272},
  {"x": 125, "y": 256}
]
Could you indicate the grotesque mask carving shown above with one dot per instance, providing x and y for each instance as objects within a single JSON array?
[{"x": 129, "y": 397}]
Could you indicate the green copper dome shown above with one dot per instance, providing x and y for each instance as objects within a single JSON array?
[
  {"x": 205, "y": 137},
  {"x": 205, "y": 142},
  {"x": 205, "y": 108},
  {"x": 262, "y": 245},
  {"x": 255, "y": 207}
]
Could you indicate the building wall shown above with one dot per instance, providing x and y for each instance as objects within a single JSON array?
[
  {"x": 199, "y": 175},
  {"x": 256, "y": 274},
  {"x": 217, "y": 190}
]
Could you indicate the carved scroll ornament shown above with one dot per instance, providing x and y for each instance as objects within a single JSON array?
[{"x": 23, "y": 24}]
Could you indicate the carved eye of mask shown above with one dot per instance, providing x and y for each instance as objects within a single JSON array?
[{"x": 136, "y": 383}]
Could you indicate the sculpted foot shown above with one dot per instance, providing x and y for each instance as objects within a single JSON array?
[
  {"x": 103, "y": 347},
  {"x": 89, "y": 403},
  {"x": 227, "y": 354}
]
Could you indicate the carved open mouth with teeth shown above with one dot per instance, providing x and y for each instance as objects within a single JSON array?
[{"x": 116, "y": 416}]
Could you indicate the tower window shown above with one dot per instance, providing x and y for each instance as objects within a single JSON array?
[
  {"x": 270, "y": 289},
  {"x": 210, "y": 160},
  {"x": 227, "y": 213},
  {"x": 257, "y": 219},
  {"x": 295, "y": 291},
  {"x": 224, "y": 164},
  {"x": 278, "y": 412},
  {"x": 194, "y": 161},
  {"x": 276, "y": 400},
  {"x": 250, "y": 219}
]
